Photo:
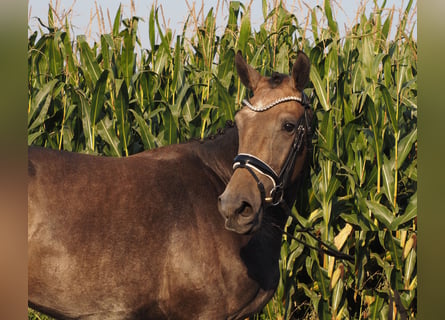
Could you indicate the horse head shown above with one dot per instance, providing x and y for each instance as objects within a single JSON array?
[{"x": 274, "y": 136}]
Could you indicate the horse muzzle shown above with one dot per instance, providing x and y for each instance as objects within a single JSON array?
[
  {"x": 239, "y": 217},
  {"x": 240, "y": 207}
]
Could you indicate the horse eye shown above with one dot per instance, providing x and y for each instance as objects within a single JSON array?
[{"x": 289, "y": 127}]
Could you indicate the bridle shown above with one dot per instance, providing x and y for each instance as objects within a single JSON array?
[{"x": 254, "y": 165}]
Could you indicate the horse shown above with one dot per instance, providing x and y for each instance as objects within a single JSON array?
[{"x": 187, "y": 231}]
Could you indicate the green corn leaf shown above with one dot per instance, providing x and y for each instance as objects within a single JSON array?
[
  {"x": 40, "y": 119},
  {"x": 409, "y": 214},
  {"x": 117, "y": 22},
  {"x": 320, "y": 89},
  {"x": 392, "y": 244},
  {"x": 386, "y": 26},
  {"x": 405, "y": 17},
  {"x": 176, "y": 108},
  {"x": 106, "y": 131},
  {"x": 387, "y": 73},
  {"x": 165, "y": 40},
  {"x": 170, "y": 128},
  {"x": 372, "y": 113},
  {"x": 337, "y": 295},
  {"x": 122, "y": 103},
  {"x": 51, "y": 24},
  {"x": 309, "y": 293},
  {"x": 374, "y": 117},
  {"x": 35, "y": 103},
  {"x": 327, "y": 133},
  {"x": 376, "y": 307},
  {"x": 225, "y": 102},
  {"x": 333, "y": 186},
  {"x": 322, "y": 279},
  {"x": 324, "y": 313},
  {"x": 282, "y": 60},
  {"x": 98, "y": 99},
  {"x": 55, "y": 56},
  {"x": 128, "y": 55},
  {"x": 405, "y": 147},
  {"x": 411, "y": 170},
  {"x": 234, "y": 9},
  {"x": 87, "y": 124},
  {"x": 314, "y": 24},
  {"x": 388, "y": 178},
  {"x": 67, "y": 136},
  {"x": 71, "y": 60},
  {"x": 88, "y": 60},
  {"x": 177, "y": 65},
  {"x": 363, "y": 222},
  {"x": 33, "y": 136},
  {"x": 331, "y": 22},
  {"x": 144, "y": 131},
  {"x": 264, "y": 7},
  {"x": 358, "y": 77},
  {"x": 188, "y": 112},
  {"x": 244, "y": 32},
  {"x": 381, "y": 212},
  {"x": 161, "y": 62},
  {"x": 149, "y": 85},
  {"x": 390, "y": 105},
  {"x": 151, "y": 27},
  {"x": 106, "y": 58}
]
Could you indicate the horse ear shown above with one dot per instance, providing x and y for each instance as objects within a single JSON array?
[
  {"x": 248, "y": 75},
  {"x": 301, "y": 70}
]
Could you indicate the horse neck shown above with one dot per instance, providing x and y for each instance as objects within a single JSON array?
[
  {"x": 218, "y": 153},
  {"x": 263, "y": 247}
]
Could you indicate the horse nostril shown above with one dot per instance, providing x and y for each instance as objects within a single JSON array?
[{"x": 245, "y": 209}]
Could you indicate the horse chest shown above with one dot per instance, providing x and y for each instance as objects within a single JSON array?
[{"x": 208, "y": 278}]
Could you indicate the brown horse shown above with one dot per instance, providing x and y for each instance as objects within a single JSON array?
[{"x": 142, "y": 237}]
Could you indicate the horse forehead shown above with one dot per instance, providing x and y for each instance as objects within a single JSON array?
[
  {"x": 269, "y": 90},
  {"x": 277, "y": 84},
  {"x": 261, "y": 118}
]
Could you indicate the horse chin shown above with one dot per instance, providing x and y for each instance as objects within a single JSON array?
[{"x": 242, "y": 224}]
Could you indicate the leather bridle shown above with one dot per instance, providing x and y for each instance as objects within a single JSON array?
[{"x": 254, "y": 165}]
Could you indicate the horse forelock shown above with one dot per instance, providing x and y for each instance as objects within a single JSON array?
[{"x": 276, "y": 79}]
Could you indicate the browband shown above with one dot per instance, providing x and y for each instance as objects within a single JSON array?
[{"x": 303, "y": 101}]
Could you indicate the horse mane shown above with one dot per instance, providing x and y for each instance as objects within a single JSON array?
[{"x": 219, "y": 132}]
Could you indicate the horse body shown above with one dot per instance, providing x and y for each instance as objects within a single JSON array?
[
  {"x": 171, "y": 233},
  {"x": 138, "y": 237}
]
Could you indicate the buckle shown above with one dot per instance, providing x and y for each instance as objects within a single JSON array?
[{"x": 276, "y": 195}]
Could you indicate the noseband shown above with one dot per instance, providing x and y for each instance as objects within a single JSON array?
[{"x": 253, "y": 164}]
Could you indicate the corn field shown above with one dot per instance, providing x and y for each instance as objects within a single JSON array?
[{"x": 114, "y": 98}]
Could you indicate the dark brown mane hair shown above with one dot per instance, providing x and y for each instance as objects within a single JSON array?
[
  {"x": 276, "y": 79},
  {"x": 219, "y": 132}
]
